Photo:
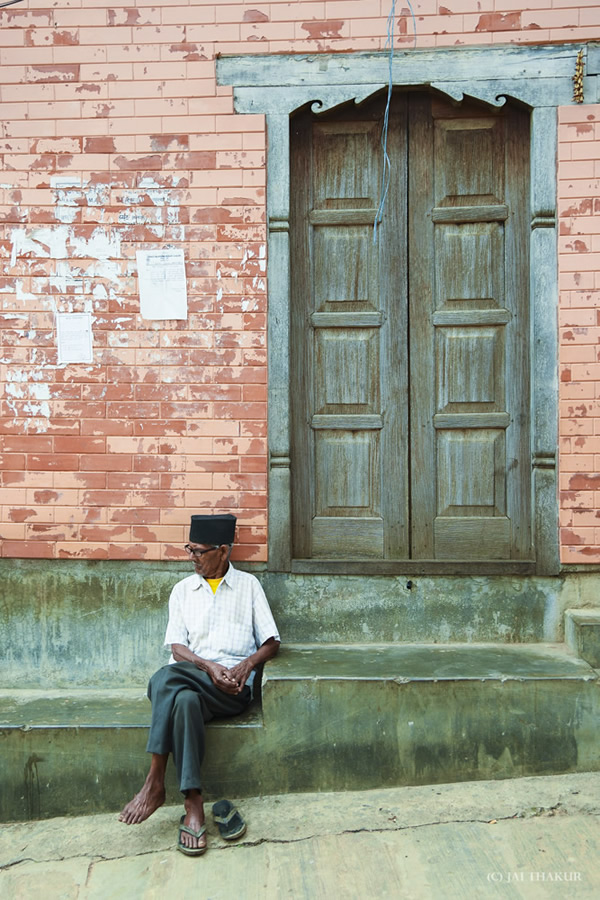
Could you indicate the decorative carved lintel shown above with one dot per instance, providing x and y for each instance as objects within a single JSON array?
[
  {"x": 279, "y": 100},
  {"x": 533, "y": 92},
  {"x": 489, "y": 92},
  {"x": 544, "y": 220},
  {"x": 329, "y": 98}
]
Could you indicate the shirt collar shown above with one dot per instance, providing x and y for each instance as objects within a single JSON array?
[{"x": 229, "y": 578}]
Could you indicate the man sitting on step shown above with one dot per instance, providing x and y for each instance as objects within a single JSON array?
[{"x": 220, "y": 628}]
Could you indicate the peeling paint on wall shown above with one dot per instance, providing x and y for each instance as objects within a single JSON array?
[{"x": 108, "y": 147}]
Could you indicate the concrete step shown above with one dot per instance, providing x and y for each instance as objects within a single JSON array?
[
  {"x": 75, "y": 752},
  {"x": 582, "y": 634},
  {"x": 333, "y": 717},
  {"x": 376, "y": 715},
  {"x": 91, "y": 708}
]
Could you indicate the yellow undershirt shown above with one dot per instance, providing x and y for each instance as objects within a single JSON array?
[{"x": 214, "y": 583}]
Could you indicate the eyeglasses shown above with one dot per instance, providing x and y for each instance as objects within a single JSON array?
[{"x": 193, "y": 551}]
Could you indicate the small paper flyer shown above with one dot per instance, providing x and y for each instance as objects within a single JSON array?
[
  {"x": 162, "y": 285},
  {"x": 74, "y": 338}
]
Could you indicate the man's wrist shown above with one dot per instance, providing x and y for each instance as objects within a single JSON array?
[{"x": 205, "y": 665}]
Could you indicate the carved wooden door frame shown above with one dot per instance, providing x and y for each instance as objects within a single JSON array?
[{"x": 540, "y": 77}]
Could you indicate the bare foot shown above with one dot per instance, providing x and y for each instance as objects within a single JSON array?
[
  {"x": 147, "y": 801},
  {"x": 194, "y": 807}
]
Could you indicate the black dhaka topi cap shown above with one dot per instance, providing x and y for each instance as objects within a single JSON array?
[{"x": 213, "y": 529}]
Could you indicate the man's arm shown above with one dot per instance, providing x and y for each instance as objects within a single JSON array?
[
  {"x": 241, "y": 672},
  {"x": 218, "y": 674}
]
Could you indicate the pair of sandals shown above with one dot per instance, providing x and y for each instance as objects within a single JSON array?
[{"x": 228, "y": 820}]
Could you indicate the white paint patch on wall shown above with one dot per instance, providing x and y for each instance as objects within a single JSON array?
[
  {"x": 14, "y": 390},
  {"x": 18, "y": 387},
  {"x": 99, "y": 292},
  {"x": 20, "y": 293},
  {"x": 53, "y": 243},
  {"x": 120, "y": 323},
  {"x": 73, "y": 190},
  {"x": 40, "y": 391},
  {"x": 66, "y": 279},
  {"x": 149, "y": 182},
  {"x": 41, "y": 242},
  {"x": 65, "y": 214},
  {"x": 17, "y": 375},
  {"x": 101, "y": 245},
  {"x": 41, "y": 411}
]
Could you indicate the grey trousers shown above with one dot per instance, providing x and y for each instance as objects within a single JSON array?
[{"x": 184, "y": 698}]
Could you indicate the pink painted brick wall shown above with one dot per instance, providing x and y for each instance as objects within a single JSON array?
[
  {"x": 579, "y": 321},
  {"x": 115, "y": 137}
]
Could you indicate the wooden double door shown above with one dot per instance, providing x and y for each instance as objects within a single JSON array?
[{"x": 410, "y": 349}]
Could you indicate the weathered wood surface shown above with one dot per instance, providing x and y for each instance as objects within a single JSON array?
[
  {"x": 414, "y": 67},
  {"x": 469, "y": 314},
  {"x": 348, "y": 307},
  {"x": 538, "y": 92},
  {"x": 540, "y": 76},
  {"x": 278, "y": 340},
  {"x": 410, "y": 356}
]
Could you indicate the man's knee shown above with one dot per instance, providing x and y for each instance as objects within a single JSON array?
[
  {"x": 170, "y": 672},
  {"x": 178, "y": 678},
  {"x": 185, "y": 700}
]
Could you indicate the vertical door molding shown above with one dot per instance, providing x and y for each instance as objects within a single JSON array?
[
  {"x": 544, "y": 337},
  {"x": 278, "y": 337},
  {"x": 540, "y": 77}
]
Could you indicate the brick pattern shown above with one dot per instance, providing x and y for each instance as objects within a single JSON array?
[
  {"x": 579, "y": 265},
  {"x": 115, "y": 137}
]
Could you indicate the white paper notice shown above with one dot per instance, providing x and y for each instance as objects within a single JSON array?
[
  {"x": 74, "y": 336},
  {"x": 161, "y": 277}
]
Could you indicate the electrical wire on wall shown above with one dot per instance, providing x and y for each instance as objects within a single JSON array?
[
  {"x": 10, "y": 3},
  {"x": 387, "y": 165}
]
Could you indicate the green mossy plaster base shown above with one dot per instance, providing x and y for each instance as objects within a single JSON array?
[{"x": 66, "y": 622}]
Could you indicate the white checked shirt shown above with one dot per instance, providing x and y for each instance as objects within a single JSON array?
[{"x": 225, "y": 627}]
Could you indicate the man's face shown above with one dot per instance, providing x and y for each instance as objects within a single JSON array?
[{"x": 213, "y": 563}]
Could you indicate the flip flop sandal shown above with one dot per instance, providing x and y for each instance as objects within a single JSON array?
[
  {"x": 190, "y": 851},
  {"x": 229, "y": 821}
]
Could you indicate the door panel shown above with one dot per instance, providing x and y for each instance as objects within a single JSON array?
[
  {"x": 469, "y": 319},
  {"x": 410, "y": 354},
  {"x": 348, "y": 305}
]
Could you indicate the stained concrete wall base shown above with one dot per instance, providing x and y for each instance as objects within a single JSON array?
[{"x": 86, "y": 623}]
